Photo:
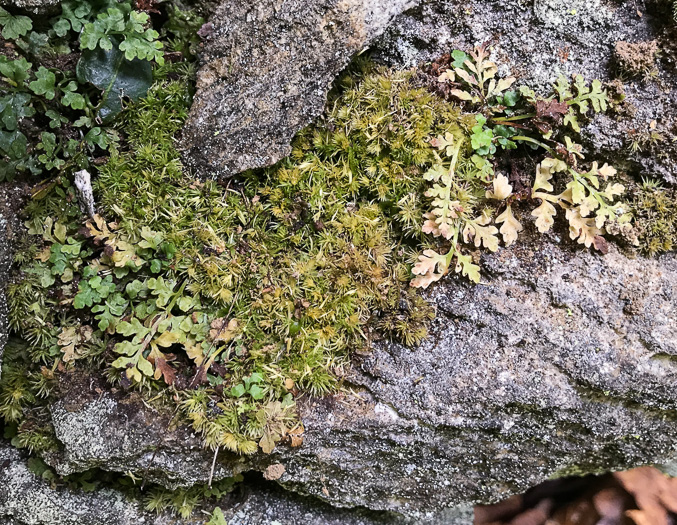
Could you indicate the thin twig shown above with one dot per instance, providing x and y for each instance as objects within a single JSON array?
[{"x": 211, "y": 473}]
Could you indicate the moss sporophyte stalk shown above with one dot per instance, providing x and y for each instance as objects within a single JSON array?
[{"x": 229, "y": 299}]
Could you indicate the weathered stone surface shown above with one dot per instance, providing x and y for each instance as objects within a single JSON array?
[
  {"x": 560, "y": 362},
  {"x": 117, "y": 432},
  {"x": 10, "y": 196},
  {"x": 25, "y": 499},
  {"x": 267, "y": 68},
  {"x": 32, "y": 6},
  {"x": 539, "y": 42}
]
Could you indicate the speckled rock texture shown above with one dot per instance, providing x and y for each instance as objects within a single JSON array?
[
  {"x": 32, "y": 6},
  {"x": 562, "y": 361},
  {"x": 10, "y": 195},
  {"x": 117, "y": 432},
  {"x": 539, "y": 40},
  {"x": 266, "y": 69},
  {"x": 25, "y": 499}
]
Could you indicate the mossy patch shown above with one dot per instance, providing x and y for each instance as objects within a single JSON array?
[
  {"x": 655, "y": 209},
  {"x": 233, "y": 298},
  {"x": 240, "y": 295}
]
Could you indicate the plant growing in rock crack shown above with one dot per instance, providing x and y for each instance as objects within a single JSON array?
[
  {"x": 464, "y": 185},
  {"x": 228, "y": 301}
]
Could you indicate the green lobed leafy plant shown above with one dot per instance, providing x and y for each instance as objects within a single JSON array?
[
  {"x": 464, "y": 188},
  {"x": 117, "y": 47}
]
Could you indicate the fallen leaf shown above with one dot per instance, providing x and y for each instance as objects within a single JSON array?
[
  {"x": 551, "y": 109},
  {"x": 274, "y": 471},
  {"x": 222, "y": 331},
  {"x": 162, "y": 368},
  {"x": 267, "y": 443},
  {"x": 296, "y": 436}
]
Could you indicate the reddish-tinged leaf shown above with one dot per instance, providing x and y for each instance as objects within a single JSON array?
[
  {"x": 551, "y": 109},
  {"x": 601, "y": 244},
  {"x": 164, "y": 368}
]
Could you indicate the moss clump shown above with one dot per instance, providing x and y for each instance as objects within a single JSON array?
[
  {"x": 655, "y": 211},
  {"x": 232, "y": 298},
  {"x": 23, "y": 389},
  {"x": 241, "y": 294}
]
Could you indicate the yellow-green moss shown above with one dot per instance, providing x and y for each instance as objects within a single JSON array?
[
  {"x": 308, "y": 260},
  {"x": 655, "y": 210}
]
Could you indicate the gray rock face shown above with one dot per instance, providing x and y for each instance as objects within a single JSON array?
[
  {"x": 561, "y": 362},
  {"x": 33, "y": 6},
  {"x": 267, "y": 68},
  {"x": 10, "y": 196},
  {"x": 539, "y": 42},
  {"x": 25, "y": 499},
  {"x": 117, "y": 432}
]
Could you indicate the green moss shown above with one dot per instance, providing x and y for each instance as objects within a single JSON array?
[
  {"x": 23, "y": 390},
  {"x": 234, "y": 297},
  {"x": 655, "y": 210},
  {"x": 248, "y": 291}
]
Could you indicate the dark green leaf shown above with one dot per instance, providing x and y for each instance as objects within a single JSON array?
[
  {"x": 116, "y": 77},
  {"x": 15, "y": 70},
  {"x": 510, "y": 98},
  {"x": 13, "y": 26}
]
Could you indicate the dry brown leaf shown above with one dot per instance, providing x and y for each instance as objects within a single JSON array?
[
  {"x": 462, "y": 95},
  {"x": 668, "y": 494},
  {"x": 267, "y": 443},
  {"x": 222, "y": 331},
  {"x": 162, "y": 368},
  {"x": 195, "y": 352},
  {"x": 296, "y": 436},
  {"x": 551, "y": 109},
  {"x": 423, "y": 281},
  {"x": 609, "y": 503},
  {"x": 274, "y": 471},
  {"x": 430, "y": 225}
]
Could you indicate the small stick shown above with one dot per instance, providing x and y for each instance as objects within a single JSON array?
[{"x": 211, "y": 473}]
